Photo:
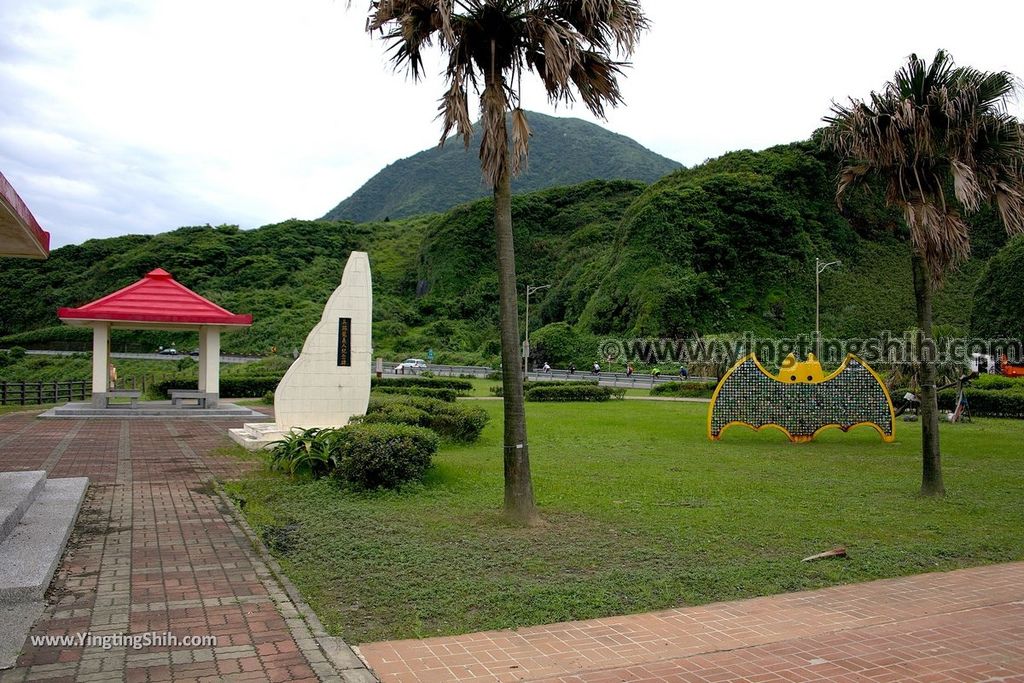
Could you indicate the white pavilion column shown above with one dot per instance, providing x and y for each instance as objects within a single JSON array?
[
  {"x": 100, "y": 362},
  {"x": 210, "y": 360},
  {"x": 202, "y": 359}
]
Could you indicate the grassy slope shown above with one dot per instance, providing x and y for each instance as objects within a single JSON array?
[
  {"x": 725, "y": 247},
  {"x": 642, "y": 512}
]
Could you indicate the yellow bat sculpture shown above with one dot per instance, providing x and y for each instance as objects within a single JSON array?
[{"x": 801, "y": 400}]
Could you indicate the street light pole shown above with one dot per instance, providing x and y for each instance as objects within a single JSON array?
[
  {"x": 530, "y": 289},
  {"x": 819, "y": 268}
]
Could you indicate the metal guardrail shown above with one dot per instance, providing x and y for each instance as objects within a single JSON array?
[
  {"x": 36, "y": 393},
  {"x": 142, "y": 356},
  {"x": 610, "y": 379}
]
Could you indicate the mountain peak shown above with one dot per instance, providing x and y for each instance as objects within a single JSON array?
[{"x": 563, "y": 151}]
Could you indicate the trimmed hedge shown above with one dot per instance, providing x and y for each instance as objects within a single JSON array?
[
  {"x": 234, "y": 387},
  {"x": 986, "y": 402},
  {"x": 446, "y": 395},
  {"x": 372, "y": 456},
  {"x": 425, "y": 382},
  {"x": 569, "y": 392},
  {"x": 527, "y": 386},
  {"x": 685, "y": 389},
  {"x": 455, "y": 421},
  {"x": 999, "y": 383}
]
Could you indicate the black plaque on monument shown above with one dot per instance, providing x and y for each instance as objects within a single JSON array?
[{"x": 344, "y": 342}]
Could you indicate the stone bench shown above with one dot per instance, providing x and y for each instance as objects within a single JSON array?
[
  {"x": 124, "y": 393},
  {"x": 179, "y": 396}
]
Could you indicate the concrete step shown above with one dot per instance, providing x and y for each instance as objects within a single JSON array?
[
  {"x": 17, "y": 491},
  {"x": 30, "y": 554},
  {"x": 153, "y": 409},
  {"x": 257, "y": 436}
]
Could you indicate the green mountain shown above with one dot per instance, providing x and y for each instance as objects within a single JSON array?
[
  {"x": 725, "y": 247},
  {"x": 562, "y": 152}
]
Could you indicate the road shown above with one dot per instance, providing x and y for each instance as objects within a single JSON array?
[
  {"x": 608, "y": 379},
  {"x": 144, "y": 356}
]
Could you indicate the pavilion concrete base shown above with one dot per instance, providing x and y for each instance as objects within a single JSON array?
[{"x": 154, "y": 409}]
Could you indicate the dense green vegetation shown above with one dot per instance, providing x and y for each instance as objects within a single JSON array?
[
  {"x": 725, "y": 247},
  {"x": 999, "y": 299},
  {"x": 563, "y": 151},
  {"x": 641, "y": 512}
]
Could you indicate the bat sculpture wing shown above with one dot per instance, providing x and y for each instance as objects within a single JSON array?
[{"x": 801, "y": 401}]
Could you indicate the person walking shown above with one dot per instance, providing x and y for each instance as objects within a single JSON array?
[{"x": 629, "y": 369}]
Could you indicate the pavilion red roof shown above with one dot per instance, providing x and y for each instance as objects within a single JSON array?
[
  {"x": 20, "y": 234},
  {"x": 156, "y": 298}
]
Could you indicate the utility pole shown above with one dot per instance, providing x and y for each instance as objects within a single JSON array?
[
  {"x": 819, "y": 268},
  {"x": 530, "y": 289}
]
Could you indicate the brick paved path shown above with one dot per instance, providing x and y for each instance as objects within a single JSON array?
[
  {"x": 966, "y": 625},
  {"x": 156, "y": 549}
]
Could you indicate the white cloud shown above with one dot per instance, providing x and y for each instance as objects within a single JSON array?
[{"x": 123, "y": 117}]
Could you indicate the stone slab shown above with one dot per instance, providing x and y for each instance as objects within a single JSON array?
[
  {"x": 30, "y": 554},
  {"x": 154, "y": 409},
  {"x": 330, "y": 380},
  {"x": 15, "y": 623},
  {"x": 17, "y": 491},
  {"x": 258, "y": 436}
]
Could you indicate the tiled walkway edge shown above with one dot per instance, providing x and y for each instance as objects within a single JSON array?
[
  {"x": 963, "y": 625},
  {"x": 159, "y": 549},
  {"x": 310, "y": 634}
]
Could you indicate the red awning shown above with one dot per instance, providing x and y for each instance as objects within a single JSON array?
[
  {"x": 156, "y": 298},
  {"x": 20, "y": 234}
]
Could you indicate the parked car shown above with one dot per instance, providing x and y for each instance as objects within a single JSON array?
[
  {"x": 411, "y": 364},
  {"x": 194, "y": 352},
  {"x": 171, "y": 351}
]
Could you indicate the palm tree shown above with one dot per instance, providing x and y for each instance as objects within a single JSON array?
[
  {"x": 489, "y": 44},
  {"x": 940, "y": 142}
]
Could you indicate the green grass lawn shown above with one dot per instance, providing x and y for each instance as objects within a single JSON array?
[{"x": 641, "y": 512}]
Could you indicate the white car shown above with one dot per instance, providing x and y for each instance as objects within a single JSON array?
[
  {"x": 168, "y": 352},
  {"x": 411, "y": 364}
]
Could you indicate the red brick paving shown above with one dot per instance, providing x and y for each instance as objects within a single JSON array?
[
  {"x": 155, "y": 549},
  {"x": 966, "y": 625}
]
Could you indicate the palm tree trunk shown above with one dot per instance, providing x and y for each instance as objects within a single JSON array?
[
  {"x": 931, "y": 474},
  {"x": 519, "y": 504}
]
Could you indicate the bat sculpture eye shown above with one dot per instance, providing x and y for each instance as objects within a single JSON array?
[
  {"x": 792, "y": 378},
  {"x": 809, "y": 378}
]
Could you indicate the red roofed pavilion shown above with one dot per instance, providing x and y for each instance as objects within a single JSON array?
[
  {"x": 157, "y": 301},
  {"x": 20, "y": 234}
]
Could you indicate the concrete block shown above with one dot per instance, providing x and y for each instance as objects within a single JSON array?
[
  {"x": 17, "y": 491},
  {"x": 30, "y": 554}
]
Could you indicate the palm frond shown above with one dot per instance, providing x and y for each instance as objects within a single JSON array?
[
  {"x": 568, "y": 43},
  {"x": 932, "y": 126}
]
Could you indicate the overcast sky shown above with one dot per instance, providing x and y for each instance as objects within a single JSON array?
[{"x": 121, "y": 116}]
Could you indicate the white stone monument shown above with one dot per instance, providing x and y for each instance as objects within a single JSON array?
[{"x": 330, "y": 381}]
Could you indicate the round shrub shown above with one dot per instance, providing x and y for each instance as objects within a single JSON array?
[
  {"x": 454, "y": 421},
  {"x": 372, "y": 456},
  {"x": 396, "y": 413}
]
